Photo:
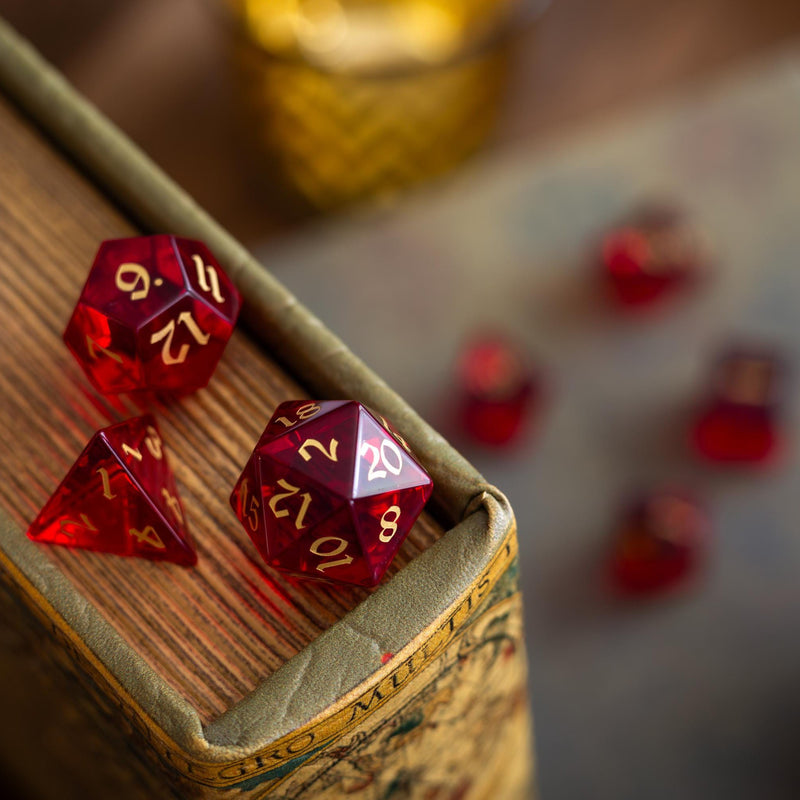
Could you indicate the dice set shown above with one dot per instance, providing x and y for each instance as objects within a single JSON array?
[{"x": 331, "y": 489}]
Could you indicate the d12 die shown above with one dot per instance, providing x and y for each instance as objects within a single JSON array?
[
  {"x": 650, "y": 257},
  {"x": 497, "y": 391},
  {"x": 660, "y": 541},
  {"x": 330, "y": 492},
  {"x": 155, "y": 313},
  {"x": 119, "y": 497},
  {"x": 739, "y": 423}
]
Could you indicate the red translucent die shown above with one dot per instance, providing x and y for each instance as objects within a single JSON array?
[
  {"x": 660, "y": 541},
  {"x": 330, "y": 491},
  {"x": 119, "y": 497},
  {"x": 497, "y": 391},
  {"x": 155, "y": 313},
  {"x": 649, "y": 258},
  {"x": 739, "y": 421}
]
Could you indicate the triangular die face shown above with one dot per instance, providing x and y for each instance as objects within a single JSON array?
[
  {"x": 295, "y": 413},
  {"x": 247, "y": 502},
  {"x": 98, "y": 506},
  {"x": 382, "y": 464},
  {"x": 74, "y": 515},
  {"x": 292, "y": 505},
  {"x": 138, "y": 445},
  {"x": 329, "y": 552},
  {"x": 148, "y": 533},
  {"x": 382, "y": 523},
  {"x": 322, "y": 451}
]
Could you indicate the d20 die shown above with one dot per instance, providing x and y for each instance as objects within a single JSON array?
[
  {"x": 650, "y": 256},
  {"x": 155, "y": 313},
  {"x": 119, "y": 497},
  {"x": 330, "y": 491},
  {"x": 497, "y": 391},
  {"x": 660, "y": 540},
  {"x": 739, "y": 422}
]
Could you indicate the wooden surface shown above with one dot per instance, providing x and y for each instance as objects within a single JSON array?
[
  {"x": 160, "y": 71},
  {"x": 214, "y": 631}
]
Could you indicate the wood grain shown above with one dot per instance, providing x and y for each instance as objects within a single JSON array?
[{"x": 215, "y": 631}]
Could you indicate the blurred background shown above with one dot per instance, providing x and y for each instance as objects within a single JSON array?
[{"x": 454, "y": 186}]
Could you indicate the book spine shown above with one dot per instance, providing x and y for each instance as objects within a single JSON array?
[
  {"x": 451, "y": 720},
  {"x": 449, "y": 716}
]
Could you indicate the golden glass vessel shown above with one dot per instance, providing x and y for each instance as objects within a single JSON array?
[{"x": 357, "y": 100}]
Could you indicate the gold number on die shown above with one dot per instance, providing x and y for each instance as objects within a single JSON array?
[
  {"x": 336, "y": 550},
  {"x": 291, "y": 490},
  {"x": 148, "y": 536},
  {"x": 168, "y": 331},
  {"x": 315, "y": 444},
  {"x": 204, "y": 274},
  {"x": 138, "y": 286}
]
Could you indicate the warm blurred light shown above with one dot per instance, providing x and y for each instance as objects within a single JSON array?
[
  {"x": 375, "y": 35},
  {"x": 356, "y": 100}
]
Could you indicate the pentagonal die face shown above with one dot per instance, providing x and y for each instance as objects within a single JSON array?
[
  {"x": 330, "y": 492},
  {"x": 155, "y": 313}
]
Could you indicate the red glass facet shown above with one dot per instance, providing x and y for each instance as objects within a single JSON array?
[
  {"x": 497, "y": 391},
  {"x": 119, "y": 497},
  {"x": 651, "y": 257},
  {"x": 739, "y": 421},
  {"x": 155, "y": 313},
  {"x": 106, "y": 349},
  {"x": 337, "y": 492},
  {"x": 660, "y": 541}
]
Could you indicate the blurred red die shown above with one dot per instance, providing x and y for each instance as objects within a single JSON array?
[
  {"x": 497, "y": 391},
  {"x": 661, "y": 539},
  {"x": 649, "y": 257},
  {"x": 739, "y": 422}
]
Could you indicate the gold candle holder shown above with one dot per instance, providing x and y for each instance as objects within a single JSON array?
[{"x": 354, "y": 100}]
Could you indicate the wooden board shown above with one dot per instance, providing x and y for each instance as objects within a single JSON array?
[{"x": 215, "y": 631}]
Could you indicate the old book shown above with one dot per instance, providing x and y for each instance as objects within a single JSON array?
[{"x": 130, "y": 679}]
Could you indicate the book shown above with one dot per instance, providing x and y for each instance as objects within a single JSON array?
[{"x": 225, "y": 680}]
